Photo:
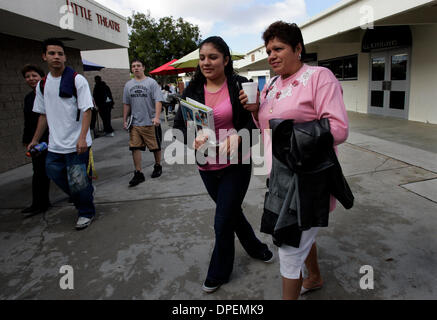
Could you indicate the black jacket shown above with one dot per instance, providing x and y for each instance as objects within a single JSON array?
[
  {"x": 241, "y": 118},
  {"x": 31, "y": 120},
  {"x": 305, "y": 172},
  {"x": 101, "y": 93}
]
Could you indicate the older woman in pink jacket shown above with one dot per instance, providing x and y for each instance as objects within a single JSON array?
[{"x": 302, "y": 93}]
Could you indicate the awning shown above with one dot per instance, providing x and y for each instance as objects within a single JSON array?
[
  {"x": 191, "y": 60},
  {"x": 167, "y": 69},
  {"x": 91, "y": 66},
  {"x": 386, "y": 37}
]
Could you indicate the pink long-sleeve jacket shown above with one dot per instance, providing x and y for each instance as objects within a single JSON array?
[{"x": 309, "y": 94}]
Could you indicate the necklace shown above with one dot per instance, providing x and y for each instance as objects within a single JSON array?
[{"x": 277, "y": 96}]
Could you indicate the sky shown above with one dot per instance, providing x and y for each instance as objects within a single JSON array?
[{"x": 239, "y": 22}]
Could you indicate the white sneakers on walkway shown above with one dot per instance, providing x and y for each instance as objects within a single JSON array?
[{"x": 83, "y": 223}]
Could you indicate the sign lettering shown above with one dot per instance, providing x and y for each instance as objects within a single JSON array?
[{"x": 85, "y": 13}]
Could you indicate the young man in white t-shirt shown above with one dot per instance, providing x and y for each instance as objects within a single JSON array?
[{"x": 68, "y": 118}]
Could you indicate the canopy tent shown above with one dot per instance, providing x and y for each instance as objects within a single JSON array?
[
  {"x": 167, "y": 69},
  {"x": 91, "y": 66},
  {"x": 191, "y": 60}
]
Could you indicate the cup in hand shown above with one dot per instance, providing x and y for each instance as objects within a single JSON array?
[{"x": 251, "y": 90}]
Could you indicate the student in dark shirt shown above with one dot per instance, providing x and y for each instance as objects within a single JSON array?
[
  {"x": 40, "y": 182},
  {"x": 104, "y": 101}
]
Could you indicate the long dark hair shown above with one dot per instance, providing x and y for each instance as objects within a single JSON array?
[{"x": 221, "y": 46}]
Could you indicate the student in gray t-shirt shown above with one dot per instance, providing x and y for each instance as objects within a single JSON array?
[{"x": 142, "y": 98}]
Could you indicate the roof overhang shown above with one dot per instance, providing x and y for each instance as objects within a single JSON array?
[
  {"x": 86, "y": 26},
  {"x": 344, "y": 23}
]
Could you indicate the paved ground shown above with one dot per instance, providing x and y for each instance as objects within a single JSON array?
[{"x": 154, "y": 241}]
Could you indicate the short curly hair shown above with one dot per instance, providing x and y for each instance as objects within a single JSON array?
[
  {"x": 288, "y": 33},
  {"x": 31, "y": 67}
]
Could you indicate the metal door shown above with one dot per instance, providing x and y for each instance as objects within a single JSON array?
[{"x": 389, "y": 83}]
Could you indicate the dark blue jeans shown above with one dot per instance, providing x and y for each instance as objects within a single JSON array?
[
  {"x": 228, "y": 187},
  {"x": 68, "y": 171}
]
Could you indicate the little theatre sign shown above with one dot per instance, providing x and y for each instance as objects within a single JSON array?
[{"x": 81, "y": 11}]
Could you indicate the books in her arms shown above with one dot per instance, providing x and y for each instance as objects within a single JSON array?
[{"x": 199, "y": 117}]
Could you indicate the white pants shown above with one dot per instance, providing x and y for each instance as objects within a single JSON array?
[{"x": 292, "y": 259}]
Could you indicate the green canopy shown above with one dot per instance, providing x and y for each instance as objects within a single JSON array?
[{"x": 191, "y": 60}]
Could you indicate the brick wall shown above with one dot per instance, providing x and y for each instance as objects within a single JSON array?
[
  {"x": 115, "y": 79},
  {"x": 15, "y": 53}
]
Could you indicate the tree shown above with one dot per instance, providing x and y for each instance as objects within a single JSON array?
[{"x": 157, "y": 42}]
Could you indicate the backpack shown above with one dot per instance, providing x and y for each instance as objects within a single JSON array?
[{"x": 42, "y": 84}]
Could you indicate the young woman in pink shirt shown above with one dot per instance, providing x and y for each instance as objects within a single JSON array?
[
  {"x": 216, "y": 85},
  {"x": 302, "y": 93}
]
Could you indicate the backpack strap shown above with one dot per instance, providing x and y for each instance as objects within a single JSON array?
[
  {"x": 74, "y": 84},
  {"x": 42, "y": 84},
  {"x": 75, "y": 95}
]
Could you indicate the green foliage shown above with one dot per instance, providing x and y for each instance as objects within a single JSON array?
[{"x": 157, "y": 42}]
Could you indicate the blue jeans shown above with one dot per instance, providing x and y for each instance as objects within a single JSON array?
[
  {"x": 68, "y": 171},
  {"x": 228, "y": 187}
]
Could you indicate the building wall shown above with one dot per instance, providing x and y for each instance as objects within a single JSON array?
[
  {"x": 14, "y": 54},
  {"x": 423, "y": 95},
  {"x": 243, "y": 74},
  {"x": 350, "y": 14},
  {"x": 423, "y": 88},
  {"x": 115, "y": 79},
  {"x": 423, "y": 79},
  {"x": 255, "y": 74},
  {"x": 355, "y": 92},
  {"x": 250, "y": 57}
]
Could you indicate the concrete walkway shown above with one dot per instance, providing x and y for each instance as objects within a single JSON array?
[{"x": 154, "y": 241}]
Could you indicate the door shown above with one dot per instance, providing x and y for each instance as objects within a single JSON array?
[
  {"x": 261, "y": 82},
  {"x": 389, "y": 83}
]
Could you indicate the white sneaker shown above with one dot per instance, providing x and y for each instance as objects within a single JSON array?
[
  {"x": 110, "y": 134},
  {"x": 210, "y": 286},
  {"x": 83, "y": 223}
]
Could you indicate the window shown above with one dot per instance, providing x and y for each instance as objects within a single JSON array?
[
  {"x": 399, "y": 67},
  {"x": 378, "y": 69},
  {"x": 344, "y": 68}
]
